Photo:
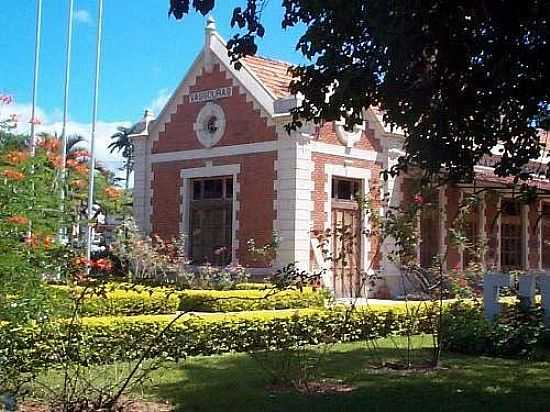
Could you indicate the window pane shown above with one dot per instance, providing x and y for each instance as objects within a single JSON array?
[
  {"x": 197, "y": 190},
  {"x": 229, "y": 188},
  {"x": 345, "y": 190},
  {"x": 213, "y": 189}
]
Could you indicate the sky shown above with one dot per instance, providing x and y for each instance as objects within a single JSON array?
[{"x": 145, "y": 55}]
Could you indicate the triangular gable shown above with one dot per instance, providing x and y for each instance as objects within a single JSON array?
[{"x": 263, "y": 80}]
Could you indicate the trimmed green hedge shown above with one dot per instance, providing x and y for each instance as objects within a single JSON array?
[
  {"x": 126, "y": 299},
  {"x": 250, "y": 300},
  {"x": 110, "y": 339}
]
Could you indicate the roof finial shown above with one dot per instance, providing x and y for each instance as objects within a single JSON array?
[{"x": 210, "y": 23}]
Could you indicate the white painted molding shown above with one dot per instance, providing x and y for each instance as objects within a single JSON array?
[
  {"x": 343, "y": 151},
  {"x": 217, "y": 151},
  {"x": 214, "y": 171}
]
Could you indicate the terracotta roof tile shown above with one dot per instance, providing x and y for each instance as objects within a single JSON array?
[{"x": 272, "y": 73}]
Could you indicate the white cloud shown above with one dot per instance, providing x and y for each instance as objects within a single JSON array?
[
  {"x": 83, "y": 16},
  {"x": 160, "y": 100},
  {"x": 52, "y": 124}
]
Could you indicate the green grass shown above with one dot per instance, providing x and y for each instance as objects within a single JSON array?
[{"x": 236, "y": 382}]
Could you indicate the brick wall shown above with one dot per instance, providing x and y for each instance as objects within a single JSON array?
[{"x": 243, "y": 123}]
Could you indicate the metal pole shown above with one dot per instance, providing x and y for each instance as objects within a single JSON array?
[
  {"x": 36, "y": 69},
  {"x": 92, "y": 138},
  {"x": 62, "y": 174}
]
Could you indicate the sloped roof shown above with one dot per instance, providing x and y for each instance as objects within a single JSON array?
[{"x": 273, "y": 74}]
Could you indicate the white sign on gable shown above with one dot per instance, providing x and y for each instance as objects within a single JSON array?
[{"x": 207, "y": 95}]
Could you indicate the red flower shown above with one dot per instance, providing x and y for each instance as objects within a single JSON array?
[
  {"x": 13, "y": 175},
  {"x": 112, "y": 192},
  {"x": 419, "y": 199},
  {"x": 102, "y": 264},
  {"x": 18, "y": 220}
]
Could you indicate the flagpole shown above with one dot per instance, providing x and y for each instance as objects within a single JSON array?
[
  {"x": 62, "y": 230},
  {"x": 92, "y": 138},
  {"x": 35, "y": 74}
]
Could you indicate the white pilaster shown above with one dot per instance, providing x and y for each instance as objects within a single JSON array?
[{"x": 294, "y": 204}]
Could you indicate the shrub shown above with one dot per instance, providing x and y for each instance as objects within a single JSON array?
[
  {"x": 516, "y": 333},
  {"x": 110, "y": 339},
  {"x": 249, "y": 300},
  {"x": 128, "y": 299},
  {"x": 125, "y": 299}
]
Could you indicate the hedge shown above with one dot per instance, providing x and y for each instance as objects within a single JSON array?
[
  {"x": 250, "y": 300},
  {"x": 125, "y": 299},
  {"x": 111, "y": 339}
]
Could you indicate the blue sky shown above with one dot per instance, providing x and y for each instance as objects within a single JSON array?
[{"x": 145, "y": 55}]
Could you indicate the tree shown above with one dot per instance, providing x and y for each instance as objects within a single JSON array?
[
  {"x": 460, "y": 77},
  {"x": 122, "y": 143}
]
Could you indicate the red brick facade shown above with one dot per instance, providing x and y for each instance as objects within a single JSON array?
[{"x": 244, "y": 124}]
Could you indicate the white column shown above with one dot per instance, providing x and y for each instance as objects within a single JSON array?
[
  {"x": 294, "y": 204},
  {"x": 392, "y": 189},
  {"x": 141, "y": 190}
]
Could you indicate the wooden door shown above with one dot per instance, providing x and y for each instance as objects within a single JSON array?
[{"x": 346, "y": 249}]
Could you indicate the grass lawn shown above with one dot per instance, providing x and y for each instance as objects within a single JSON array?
[{"x": 236, "y": 382}]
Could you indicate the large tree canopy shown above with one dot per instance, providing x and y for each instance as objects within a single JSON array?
[{"x": 460, "y": 77}]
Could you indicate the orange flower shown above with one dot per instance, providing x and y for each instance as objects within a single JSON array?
[
  {"x": 18, "y": 220},
  {"x": 112, "y": 192},
  {"x": 49, "y": 144},
  {"x": 81, "y": 169},
  {"x": 36, "y": 240},
  {"x": 72, "y": 163},
  {"x": 48, "y": 241},
  {"x": 78, "y": 184},
  {"x": 81, "y": 261},
  {"x": 16, "y": 157},
  {"x": 13, "y": 175},
  {"x": 55, "y": 160}
]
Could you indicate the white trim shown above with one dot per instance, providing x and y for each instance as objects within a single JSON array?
[
  {"x": 213, "y": 171},
  {"x": 293, "y": 203},
  {"x": 343, "y": 151},
  {"x": 217, "y": 151}
]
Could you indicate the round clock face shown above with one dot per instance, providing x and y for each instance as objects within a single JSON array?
[{"x": 210, "y": 124}]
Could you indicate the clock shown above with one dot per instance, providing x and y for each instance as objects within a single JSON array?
[{"x": 210, "y": 124}]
